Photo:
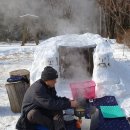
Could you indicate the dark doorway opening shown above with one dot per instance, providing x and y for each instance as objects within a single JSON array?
[{"x": 76, "y": 62}]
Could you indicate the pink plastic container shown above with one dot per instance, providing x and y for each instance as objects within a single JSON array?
[{"x": 85, "y": 89}]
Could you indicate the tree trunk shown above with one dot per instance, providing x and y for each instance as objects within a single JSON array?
[{"x": 16, "y": 91}]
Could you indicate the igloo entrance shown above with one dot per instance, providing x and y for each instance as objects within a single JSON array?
[{"x": 75, "y": 62}]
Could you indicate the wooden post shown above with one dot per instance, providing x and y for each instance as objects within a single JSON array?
[{"x": 16, "y": 90}]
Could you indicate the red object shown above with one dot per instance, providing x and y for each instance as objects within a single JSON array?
[
  {"x": 85, "y": 89},
  {"x": 78, "y": 123}
]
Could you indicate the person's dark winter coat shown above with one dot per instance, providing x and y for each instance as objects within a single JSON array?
[{"x": 40, "y": 96}]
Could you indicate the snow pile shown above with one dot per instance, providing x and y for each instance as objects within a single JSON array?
[
  {"x": 17, "y": 57},
  {"x": 112, "y": 73},
  {"x": 112, "y": 76},
  {"x": 106, "y": 71},
  {"x": 48, "y": 50}
]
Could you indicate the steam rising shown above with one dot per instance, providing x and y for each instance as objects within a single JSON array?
[
  {"x": 57, "y": 16},
  {"x": 76, "y": 66}
]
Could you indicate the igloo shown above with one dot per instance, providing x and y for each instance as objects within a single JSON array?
[{"x": 71, "y": 55}]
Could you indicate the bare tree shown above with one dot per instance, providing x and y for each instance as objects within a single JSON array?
[{"x": 117, "y": 16}]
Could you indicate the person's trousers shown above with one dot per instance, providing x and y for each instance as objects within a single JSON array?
[{"x": 36, "y": 117}]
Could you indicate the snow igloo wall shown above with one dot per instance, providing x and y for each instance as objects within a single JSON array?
[{"x": 71, "y": 55}]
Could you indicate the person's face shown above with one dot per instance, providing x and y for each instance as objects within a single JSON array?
[{"x": 51, "y": 83}]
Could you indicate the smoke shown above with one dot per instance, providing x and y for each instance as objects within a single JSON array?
[
  {"x": 75, "y": 63},
  {"x": 77, "y": 68},
  {"x": 55, "y": 16}
]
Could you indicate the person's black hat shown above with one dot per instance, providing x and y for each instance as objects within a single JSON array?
[{"x": 49, "y": 73}]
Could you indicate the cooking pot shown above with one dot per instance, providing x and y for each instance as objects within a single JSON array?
[{"x": 79, "y": 112}]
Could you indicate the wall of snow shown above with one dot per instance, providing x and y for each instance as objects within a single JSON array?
[
  {"x": 47, "y": 53},
  {"x": 107, "y": 71}
]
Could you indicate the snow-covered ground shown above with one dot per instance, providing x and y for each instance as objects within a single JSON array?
[
  {"x": 18, "y": 57},
  {"x": 12, "y": 57}
]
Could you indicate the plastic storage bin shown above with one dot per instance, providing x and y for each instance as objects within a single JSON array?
[{"x": 85, "y": 89}]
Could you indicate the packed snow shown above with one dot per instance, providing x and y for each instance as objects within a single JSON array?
[
  {"x": 112, "y": 74},
  {"x": 12, "y": 57}
]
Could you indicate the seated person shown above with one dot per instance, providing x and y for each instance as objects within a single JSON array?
[{"x": 42, "y": 106}]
